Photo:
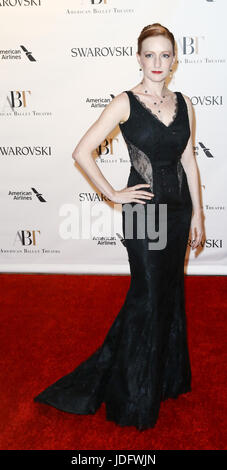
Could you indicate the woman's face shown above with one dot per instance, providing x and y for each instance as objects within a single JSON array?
[{"x": 156, "y": 55}]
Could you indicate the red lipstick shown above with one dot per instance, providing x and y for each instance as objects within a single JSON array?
[{"x": 156, "y": 71}]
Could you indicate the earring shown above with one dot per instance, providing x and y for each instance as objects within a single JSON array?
[
  {"x": 140, "y": 69},
  {"x": 171, "y": 72}
]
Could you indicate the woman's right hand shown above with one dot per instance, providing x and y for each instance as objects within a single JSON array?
[{"x": 132, "y": 194}]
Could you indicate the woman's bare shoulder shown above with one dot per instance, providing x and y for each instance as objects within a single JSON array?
[
  {"x": 122, "y": 101},
  {"x": 189, "y": 108},
  {"x": 187, "y": 99}
]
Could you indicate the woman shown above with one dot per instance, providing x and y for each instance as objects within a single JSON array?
[{"x": 144, "y": 357}]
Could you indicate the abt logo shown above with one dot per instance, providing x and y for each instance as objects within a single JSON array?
[
  {"x": 190, "y": 45},
  {"x": 105, "y": 148},
  {"x": 27, "y": 237},
  {"x": 18, "y": 99}
]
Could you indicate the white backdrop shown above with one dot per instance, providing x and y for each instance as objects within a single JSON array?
[{"x": 62, "y": 61}]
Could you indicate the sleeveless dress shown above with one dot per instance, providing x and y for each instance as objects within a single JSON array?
[{"x": 144, "y": 357}]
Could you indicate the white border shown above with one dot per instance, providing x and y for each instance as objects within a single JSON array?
[{"x": 86, "y": 269}]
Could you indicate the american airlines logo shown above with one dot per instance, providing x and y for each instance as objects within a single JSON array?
[
  {"x": 205, "y": 150},
  {"x": 15, "y": 54},
  {"x": 28, "y": 54},
  {"x": 26, "y": 195}
]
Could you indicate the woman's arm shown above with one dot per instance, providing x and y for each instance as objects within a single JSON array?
[
  {"x": 191, "y": 169},
  {"x": 115, "y": 112},
  {"x": 190, "y": 165}
]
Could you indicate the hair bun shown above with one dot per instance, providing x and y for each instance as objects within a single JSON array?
[{"x": 150, "y": 26}]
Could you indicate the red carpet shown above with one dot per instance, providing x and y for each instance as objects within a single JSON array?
[{"x": 50, "y": 323}]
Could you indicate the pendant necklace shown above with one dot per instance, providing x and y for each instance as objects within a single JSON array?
[{"x": 155, "y": 102}]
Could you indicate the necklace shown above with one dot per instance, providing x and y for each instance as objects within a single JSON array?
[{"x": 156, "y": 102}]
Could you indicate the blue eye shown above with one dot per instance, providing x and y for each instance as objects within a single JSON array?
[{"x": 148, "y": 55}]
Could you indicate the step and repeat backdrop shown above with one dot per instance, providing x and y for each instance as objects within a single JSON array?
[{"x": 62, "y": 62}]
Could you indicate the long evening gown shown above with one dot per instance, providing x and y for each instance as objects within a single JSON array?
[{"x": 144, "y": 357}]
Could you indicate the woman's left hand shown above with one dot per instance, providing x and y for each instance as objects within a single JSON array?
[{"x": 197, "y": 229}]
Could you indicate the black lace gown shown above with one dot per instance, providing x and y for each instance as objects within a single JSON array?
[{"x": 144, "y": 357}]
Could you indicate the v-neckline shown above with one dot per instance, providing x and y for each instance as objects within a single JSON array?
[{"x": 154, "y": 115}]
